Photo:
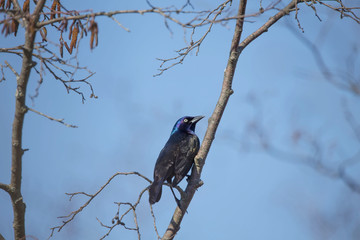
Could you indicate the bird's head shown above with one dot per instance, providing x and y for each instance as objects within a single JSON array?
[{"x": 186, "y": 124}]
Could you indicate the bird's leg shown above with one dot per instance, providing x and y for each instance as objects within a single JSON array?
[
  {"x": 178, "y": 202},
  {"x": 176, "y": 199}
]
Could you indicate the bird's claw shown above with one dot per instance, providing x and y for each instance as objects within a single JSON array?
[{"x": 178, "y": 202}]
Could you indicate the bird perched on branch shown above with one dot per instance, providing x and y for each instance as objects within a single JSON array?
[{"x": 176, "y": 158}]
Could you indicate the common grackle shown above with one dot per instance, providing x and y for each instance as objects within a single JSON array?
[{"x": 176, "y": 158}]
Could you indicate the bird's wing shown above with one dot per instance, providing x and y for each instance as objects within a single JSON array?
[
  {"x": 164, "y": 170},
  {"x": 164, "y": 167},
  {"x": 185, "y": 159}
]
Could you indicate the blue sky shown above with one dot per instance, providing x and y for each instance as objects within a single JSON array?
[{"x": 247, "y": 193}]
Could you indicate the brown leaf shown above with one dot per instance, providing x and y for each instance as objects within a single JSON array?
[{"x": 26, "y": 6}]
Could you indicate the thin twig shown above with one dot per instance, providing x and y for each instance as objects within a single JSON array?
[
  {"x": 112, "y": 13},
  {"x": 52, "y": 119},
  {"x": 351, "y": 120},
  {"x": 119, "y": 220},
  {"x": 314, "y": 160},
  {"x": 323, "y": 67},
  {"x": 122, "y": 26},
  {"x": 2, "y": 73},
  {"x": 344, "y": 11},
  {"x": 153, "y": 215},
  {"x": 317, "y": 164},
  {"x": 73, "y": 214},
  {"x": 13, "y": 70},
  {"x": 182, "y": 53}
]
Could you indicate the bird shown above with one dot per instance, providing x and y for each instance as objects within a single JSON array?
[{"x": 176, "y": 158}]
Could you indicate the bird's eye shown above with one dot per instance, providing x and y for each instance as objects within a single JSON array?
[{"x": 186, "y": 120}]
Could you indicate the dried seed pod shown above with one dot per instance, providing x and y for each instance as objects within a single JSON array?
[
  {"x": 63, "y": 25},
  {"x": 61, "y": 49},
  {"x": 75, "y": 33},
  {"x": 94, "y": 33},
  {"x": 96, "y": 39},
  {"x": 2, "y": 3},
  {"x": 53, "y": 8},
  {"x": 59, "y": 8},
  {"x": 14, "y": 26},
  {"x": 83, "y": 29},
  {"x": 71, "y": 29},
  {"x": 26, "y": 6},
  {"x": 8, "y": 4},
  {"x": 43, "y": 33},
  {"x": 67, "y": 48},
  {"x": 4, "y": 29},
  {"x": 92, "y": 40},
  {"x": 94, "y": 96}
]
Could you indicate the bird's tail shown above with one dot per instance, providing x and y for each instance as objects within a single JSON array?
[{"x": 155, "y": 191}]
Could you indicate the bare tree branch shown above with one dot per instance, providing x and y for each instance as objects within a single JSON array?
[
  {"x": 53, "y": 119},
  {"x": 12, "y": 69},
  {"x": 119, "y": 220},
  {"x": 122, "y": 26},
  {"x": 82, "y": 22},
  {"x": 73, "y": 214},
  {"x": 16, "y": 4},
  {"x": 161, "y": 11},
  {"x": 5, "y": 187},
  {"x": 155, "y": 227},
  {"x": 60, "y": 69},
  {"x": 315, "y": 159},
  {"x": 20, "y": 110},
  {"x": 214, "y": 121},
  {"x": 182, "y": 53},
  {"x": 283, "y": 12},
  {"x": 328, "y": 75},
  {"x": 317, "y": 164},
  {"x": 2, "y": 73},
  {"x": 344, "y": 11},
  {"x": 351, "y": 120}
]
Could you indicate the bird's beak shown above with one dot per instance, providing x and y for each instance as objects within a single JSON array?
[{"x": 196, "y": 119}]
